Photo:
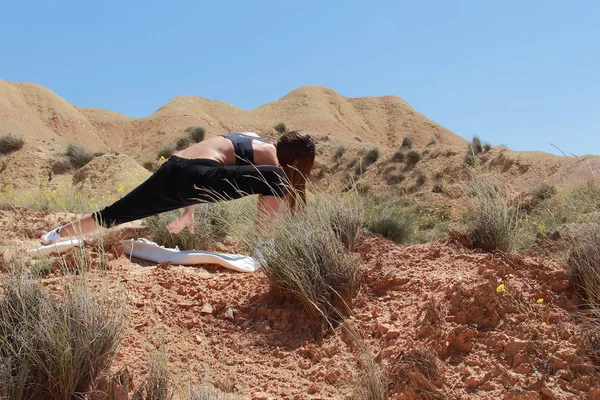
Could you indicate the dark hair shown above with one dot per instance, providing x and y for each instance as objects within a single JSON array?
[{"x": 296, "y": 155}]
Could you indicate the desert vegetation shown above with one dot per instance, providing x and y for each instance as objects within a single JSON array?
[
  {"x": 9, "y": 143},
  {"x": 78, "y": 156}
]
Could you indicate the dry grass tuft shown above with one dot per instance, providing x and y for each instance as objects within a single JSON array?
[
  {"x": 493, "y": 224},
  {"x": 52, "y": 348},
  {"x": 9, "y": 143},
  {"x": 78, "y": 156},
  {"x": 583, "y": 262}
]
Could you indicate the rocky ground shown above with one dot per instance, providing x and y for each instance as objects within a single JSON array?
[{"x": 441, "y": 320}]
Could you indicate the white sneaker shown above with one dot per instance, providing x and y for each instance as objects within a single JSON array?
[{"x": 52, "y": 237}]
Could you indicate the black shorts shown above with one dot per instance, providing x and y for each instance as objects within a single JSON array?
[{"x": 181, "y": 182}]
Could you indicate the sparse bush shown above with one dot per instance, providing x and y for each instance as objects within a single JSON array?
[
  {"x": 398, "y": 156},
  {"x": 280, "y": 127},
  {"x": 439, "y": 187},
  {"x": 183, "y": 143},
  {"x": 493, "y": 223},
  {"x": 311, "y": 259},
  {"x": 196, "y": 133},
  {"x": 476, "y": 145},
  {"x": 210, "y": 227},
  {"x": 543, "y": 191},
  {"x": 394, "y": 178},
  {"x": 583, "y": 262},
  {"x": 432, "y": 142},
  {"x": 406, "y": 142},
  {"x": 49, "y": 348},
  {"x": 166, "y": 151},
  {"x": 471, "y": 159},
  {"x": 371, "y": 156},
  {"x": 487, "y": 146},
  {"x": 413, "y": 157},
  {"x": 391, "y": 222},
  {"x": 78, "y": 156},
  {"x": 9, "y": 143},
  {"x": 421, "y": 179},
  {"x": 339, "y": 153},
  {"x": 158, "y": 385}
]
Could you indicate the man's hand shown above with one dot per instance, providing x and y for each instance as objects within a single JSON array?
[{"x": 186, "y": 220}]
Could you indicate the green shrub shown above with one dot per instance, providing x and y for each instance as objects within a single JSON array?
[
  {"x": 280, "y": 127},
  {"x": 51, "y": 348},
  {"x": 210, "y": 227},
  {"x": 407, "y": 142},
  {"x": 432, "y": 142},
  {"x": 166, "y": 151},
  {"x": 493, "y": 224},
  {"x": 391, "y": 222},
  {"x": 394, "y": 178},
  {"x": 9, "y": 143},
  {"x": 421, "y": 179},
  {"x": 371, "y": 156},
  {"x": 183, "y": 143},
  {"x": 78, "y": 156},
  {"x": 470, "y": 159},
  {"x": 413, "y": 157},
  {"x": 487, "y": 146},
  {"x": 196, "y": 133}
]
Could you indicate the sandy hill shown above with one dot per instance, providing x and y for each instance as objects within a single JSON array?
[{"x": 48, "y": 123}]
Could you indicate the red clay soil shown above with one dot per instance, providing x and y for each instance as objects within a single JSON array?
[{"x": 434, "y": 317}]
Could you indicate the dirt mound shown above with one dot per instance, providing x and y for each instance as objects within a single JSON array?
[
  {"x": 109, "y": 176},
  {"x": 442, "y": 320}
]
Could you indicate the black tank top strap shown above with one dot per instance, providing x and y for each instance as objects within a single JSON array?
[{"x": 242, "y": 146}]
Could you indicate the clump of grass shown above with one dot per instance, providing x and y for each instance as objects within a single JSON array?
[
  {"x": 493, "y": 224},
  {"x": 476, "y": 145},
  {"x": 583, "y": 262},
  {"x": 543, "y": 192},
  {"x": 51, "y": 348},
  {"x": 392, "y": 222},
  {"x": 398, "y": 156},
  {"x": 394, "y": 178},
  {"x": 196, "y": 133},
  {"x": 339, "y": 153},
  {"x": 78, "y": 156},
  {"x": 183, "y": 143},
  {"x": 9, "y": 143},
  {"x": 432, "y": 142},
  {"x": 487, "y": 146},
  {"x": 421, "y": 179},
  {"x": 439, "y": 187},
  {"x": 417, "y": 371},
  {"x": 280, "y": 127},
  {"x": 210, "y": 227},
  {"x": 158, "y": 385},
  {"x": 371, "y": 156},
  {"x": 166, "y": 151},
  {"x": 311, "y": 257},
  {"x": 407, "y": 142},
  {"x": 413, "y": 157}
]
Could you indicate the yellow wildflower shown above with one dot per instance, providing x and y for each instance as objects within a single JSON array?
[
  {"x": 540, "y": 300},
  {"x": 543, "y": 325},
  {"x": 500, "y": 288}
]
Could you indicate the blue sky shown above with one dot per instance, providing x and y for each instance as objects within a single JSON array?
[{"x": 520, "y": 73}]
